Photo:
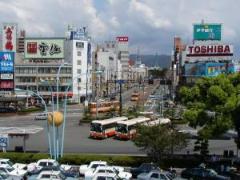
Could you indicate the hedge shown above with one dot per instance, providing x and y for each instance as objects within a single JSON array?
[{"x": 121, "y": 160}]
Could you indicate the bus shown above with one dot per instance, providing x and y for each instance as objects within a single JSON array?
[
  {"x": 127, "y": 129},
  {"x": 105, "y": 128},
  {"x": 135, "y": 96},
  {"x": 157, "y": 122},
  {"x": 104, "y": 106}
]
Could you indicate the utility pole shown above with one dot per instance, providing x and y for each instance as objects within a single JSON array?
[{"x": 120, "y": 98}]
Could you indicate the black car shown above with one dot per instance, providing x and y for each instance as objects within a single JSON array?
[
  {"x": 143, "y": 168},
  {"x": 202, "y": 173}
]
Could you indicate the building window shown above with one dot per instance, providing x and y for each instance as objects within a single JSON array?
[
  {"x": 79, "y": 62},
  {"x": 79, "y": 44},
  {"x": 79, "y": 71},
  {"x": 79, "y": 53},
  {"x": 79, "y": 80},
  {"x": 79, "y": 88}
]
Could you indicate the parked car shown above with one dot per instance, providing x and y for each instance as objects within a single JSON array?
[
  {"x": 70, "y": 171},
  {"x": 3, "y": 175},
  {"x": 84, "y": 168},
  {"x": 118, "y": 171},
  {"x": 43, "y": 164},
  {"x": 53, "y": 175},
  {"x": 202, "y": 173},
  {"x": 41, "y": 116},
  {"x": 156, "y": 174},
  {"x": 6, "y": 163},
  {"x": 104, "y": 176},
  {"x": 143, "y": 168}
]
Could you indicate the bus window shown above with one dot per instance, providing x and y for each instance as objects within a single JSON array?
[
  {"x": 96, "y": 127},
  {"x": 122, "y": 128}
]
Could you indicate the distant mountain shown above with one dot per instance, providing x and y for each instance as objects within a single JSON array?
[{"x": 164, "y": 61}]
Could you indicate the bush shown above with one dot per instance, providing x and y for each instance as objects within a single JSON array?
[{"x": 29, "y": 110}]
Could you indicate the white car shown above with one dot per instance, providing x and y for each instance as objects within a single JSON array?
[
  {"x": 41, "y": 116},
  {"x": 53, "y": 175},
  {"x": 84, "y": 168},
  {"x": 42, "y": 164},
  {"x": 6, "y": 163},
  {"x": 155, "y": 175},
  {"x": 20, "y": 170},
  {"x": 104, "y": 176},
  {"x": 118, "y": 171}
]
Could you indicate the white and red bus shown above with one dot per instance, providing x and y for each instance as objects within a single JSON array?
[
  {"x": 127, "y": 129},
  {"x": 105, "y": 128}
]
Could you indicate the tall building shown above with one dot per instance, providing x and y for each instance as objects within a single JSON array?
[
  {"x": 78, "y": 53},
  {"x": 123, "y": 55}
]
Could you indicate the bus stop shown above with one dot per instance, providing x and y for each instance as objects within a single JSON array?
[{"x": 23, "y": 132}]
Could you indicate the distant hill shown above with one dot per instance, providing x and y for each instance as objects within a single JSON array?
[{"x": 164, "y": 61}]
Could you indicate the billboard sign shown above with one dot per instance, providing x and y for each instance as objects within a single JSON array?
[
  {"x": 44, "y": 48},
  {"x": 207, "y": 31},
  {"x": 205, "y": 69},
  {"x": 6, "y": 85},
  {"x": 122, "y": 39},
  {"x": 9, "y": 35},
  {"x": 6, "y": 76},
  {"x": 3, "y": 140},
  {"x": 6, "y": 62},
  {"x": 89, "y": 53},
  {"x": 77, "y": 35}
]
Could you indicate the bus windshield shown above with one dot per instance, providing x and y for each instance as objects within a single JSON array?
[
  {"x": 96, "y": 127},
  {"x": 121, "y": 128}
]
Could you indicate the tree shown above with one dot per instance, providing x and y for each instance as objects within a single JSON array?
[
  {"x": 219, "y": 96},
  {"x": 159, "y": 140}
]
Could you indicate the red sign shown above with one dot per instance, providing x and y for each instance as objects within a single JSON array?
[
  {"x": 6, "y": 85},
  {"x": 210, "y": 50},
  {"x": 122, "y": 39},
  {"x": 32, "y": 47}
]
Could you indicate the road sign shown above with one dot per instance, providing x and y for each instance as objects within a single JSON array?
[{"x": 3, "y": 140}]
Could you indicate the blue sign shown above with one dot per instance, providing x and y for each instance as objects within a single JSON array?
[
  {"x": 121, "y": 81},
  {"x": 3, "y": 141},
  {"x": 77, "y": 35},
  {"x": 6, "y": 62}
]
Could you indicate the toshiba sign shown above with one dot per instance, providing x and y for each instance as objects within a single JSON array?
[{"x": 209, "y": 50}]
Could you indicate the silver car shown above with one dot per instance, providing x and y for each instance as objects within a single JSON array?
[{"x": 155, "y": 175}]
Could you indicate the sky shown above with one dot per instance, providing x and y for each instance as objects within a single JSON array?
[{"x": 150, "y": 25}]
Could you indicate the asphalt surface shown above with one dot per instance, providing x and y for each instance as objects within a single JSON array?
[{"x": 76, "y": 136}]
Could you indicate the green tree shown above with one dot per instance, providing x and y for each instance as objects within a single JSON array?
[
  {"x": 219, "y": 96},
  {"x": 159, "y": 140}
]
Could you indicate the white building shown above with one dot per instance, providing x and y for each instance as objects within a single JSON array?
[{"x": 78, "y": 53}]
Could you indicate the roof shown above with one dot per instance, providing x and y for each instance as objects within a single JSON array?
[
  {"x": 111, "y": 120},
  {"x": 134, "y": 121},
  {"x": 4, "y": 160},
  {"x": 20, "y": 130}
]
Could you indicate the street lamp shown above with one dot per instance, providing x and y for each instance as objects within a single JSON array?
[{"x": 59, "y": 69}]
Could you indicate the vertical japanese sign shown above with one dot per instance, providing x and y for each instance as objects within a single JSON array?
[
  {"x": 9, "y": 35},
  {"x": 6, "y": 71}
]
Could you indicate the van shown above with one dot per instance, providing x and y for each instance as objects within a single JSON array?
[{"x": 41, "y": 116}]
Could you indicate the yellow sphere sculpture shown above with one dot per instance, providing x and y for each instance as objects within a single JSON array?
[{"x": 57, "y": 117}]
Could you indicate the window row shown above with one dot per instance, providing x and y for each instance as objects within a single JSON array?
[{"x": 42, "y": 70}]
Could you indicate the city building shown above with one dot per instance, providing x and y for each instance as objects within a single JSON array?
[
  {"x": 20, "y": 41},
  {"x": 37, "y": 68},
  {"x": 78, "y": 53},
  {"x": 207, "y": 56}
]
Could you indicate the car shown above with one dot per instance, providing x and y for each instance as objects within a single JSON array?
[
  {"x": 105, "y": 176},
  {"x": 3, "y": 175},
  {"x": 118, "y": 171},
  {"x": 41, "y": 116},
  {"x": 156, "y": 174},
  {"x": 84, "y": 168},
  {"x": 43, "y": 164},
  {"x": 202, "y": 173},
  {"x": 143, "y": 168},
  {"x": 70, "y": 171},
  {"x": 6, "y": 163},
  {"x": 53, "y": 175}
]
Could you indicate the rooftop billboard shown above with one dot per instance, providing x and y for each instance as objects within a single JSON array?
[
  {"x": 44, "y": 48},
  {"x": 207, "y": 31},
  {"x": 9, "y": 36}
]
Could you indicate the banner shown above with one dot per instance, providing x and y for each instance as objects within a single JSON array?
[{"x": 207, "y": 31}]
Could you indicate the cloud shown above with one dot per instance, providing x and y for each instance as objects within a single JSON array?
[{"x": 150, "y": 24}]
